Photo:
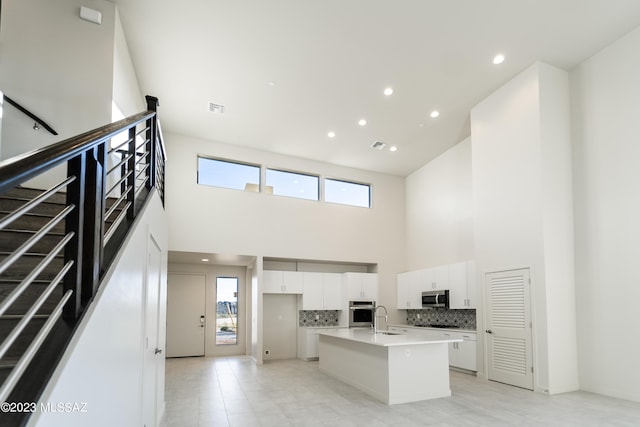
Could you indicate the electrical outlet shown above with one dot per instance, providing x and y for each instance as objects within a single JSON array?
[
  {"x": 407, "y": 352},
  {"x": 317, "y": 317},
  {"x": 418, "y": 315}
]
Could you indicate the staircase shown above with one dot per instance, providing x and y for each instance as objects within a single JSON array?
[
  {"x": 11, "y": 238},
  {"x": 57, "y": 244}
]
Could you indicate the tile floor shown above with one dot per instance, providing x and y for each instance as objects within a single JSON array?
[{"x": 233, "y": 391}]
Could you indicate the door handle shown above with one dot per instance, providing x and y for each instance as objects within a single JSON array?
[{"x": 489, "y": 331}]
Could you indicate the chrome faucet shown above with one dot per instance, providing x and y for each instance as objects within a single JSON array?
[{"x": 375, "y": 321}]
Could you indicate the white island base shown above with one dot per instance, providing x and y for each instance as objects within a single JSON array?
[{"x": 391, "y": 368}]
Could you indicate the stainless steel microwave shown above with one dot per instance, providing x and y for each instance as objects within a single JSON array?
[{"x": 431, "y": 299}]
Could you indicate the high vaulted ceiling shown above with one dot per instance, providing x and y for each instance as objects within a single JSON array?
[{"x": 289, "y": 71}]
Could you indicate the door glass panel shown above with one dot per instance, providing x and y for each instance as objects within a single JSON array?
[{"x": 226, "y": 310}]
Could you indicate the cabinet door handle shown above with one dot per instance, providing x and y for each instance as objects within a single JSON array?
[{"x": 489, "y": 331}]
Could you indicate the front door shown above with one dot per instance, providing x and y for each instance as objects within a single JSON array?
[
  {"x": 508, "y": 333},
  {"x": 185, "y": 314}
]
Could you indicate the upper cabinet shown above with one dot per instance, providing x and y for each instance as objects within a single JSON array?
[
  {"x": 282, "y": 282},
  {"x": 361, "y": 286},
  {"x": 462, "y": 289},
  {"x": 410, "y": 287},
  {"x": 438, "y": 277},
  {"x": 458, "y": 278},
  {"x": 322, "y": 291}
]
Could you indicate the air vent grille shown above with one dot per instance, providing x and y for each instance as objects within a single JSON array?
[
  {"x": 378, "y": 145},
  {"x": 216, "y": 108}
]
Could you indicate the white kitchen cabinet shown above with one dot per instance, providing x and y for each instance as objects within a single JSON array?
[
  {"x": 437, "y": 278},
  {"x": 463, "y": 354},
  {"x": 308, "y": 342},
  {"x": 472, "y": 285},
  {"x": 313, "y": 292},
  {"x": 361, "y": 286},
  {"x": 282, "y": 282},
  {"x": 322, "y": 291},
  {"x": 462, "y": 285},
  {"x": 410, "y": 290},
  {"x": 333, "y": 291}
]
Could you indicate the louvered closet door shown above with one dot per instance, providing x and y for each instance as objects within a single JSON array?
[{"x": 508, "y": 330}]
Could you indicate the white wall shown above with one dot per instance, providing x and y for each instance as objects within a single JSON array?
[
  {"x": 521, "y": 168},
  {"x": 605, "y": 95},
  {"x": 103, "y": 363},
  {"x": 218, "y": 220},
  {"x": 56, "y": 65},
  {"x": 126, "y": 91},
  {"x": 439, "y": 205},
  {"x": 65, "y": 70}
]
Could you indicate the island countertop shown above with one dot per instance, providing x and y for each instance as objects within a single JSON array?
[{"x": 367, "y": 336}]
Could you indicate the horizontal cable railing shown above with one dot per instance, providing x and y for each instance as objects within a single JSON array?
[{"x": 56, "y": 243}]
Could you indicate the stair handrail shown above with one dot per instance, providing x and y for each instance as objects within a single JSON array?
[
  {"x": 29, "y": 114},
  {"x": 28, "y": 165}
]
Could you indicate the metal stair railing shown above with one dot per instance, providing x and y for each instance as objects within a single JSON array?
[{"x": 109, "y": 178}]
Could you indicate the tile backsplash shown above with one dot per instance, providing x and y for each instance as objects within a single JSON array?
[
  {"x": 465, "y": 319},
  {"x": 324, "y": 318}
]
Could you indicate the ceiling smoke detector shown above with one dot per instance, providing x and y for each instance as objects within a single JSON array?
[
  {"x": 216, "y": 108},
  {"x": 378, "y": 145}
]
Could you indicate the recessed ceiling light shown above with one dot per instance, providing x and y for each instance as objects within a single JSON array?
[
  {"x": 393, "y": 148},
  {"x": 331, "y": 134},
  {"x": 421, "y": 125},
  {"x": 498, "y": 59},
  {"x": 434, "y": 114},
  {"x": 205, "y": 260},
  {"x": 271, "y": 84},
  {"x": 388, "y": 91},
  {"x": 362, "y": 122}
]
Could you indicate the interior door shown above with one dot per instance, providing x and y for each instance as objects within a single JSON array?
[
  {"x": 151, "y": 336},
  {"x": 185, "y": 314},
  {"x": 508, "y": 333}
]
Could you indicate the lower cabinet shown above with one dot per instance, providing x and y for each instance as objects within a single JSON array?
[
  {"x": 463, "y": 354},
  {"x": 308, "y": 342}
]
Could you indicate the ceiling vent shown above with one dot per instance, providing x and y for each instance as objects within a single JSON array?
[
  {"x": 378, "y": 145},
  {"x": 216, "y": 108}
]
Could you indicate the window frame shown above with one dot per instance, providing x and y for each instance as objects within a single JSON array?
[
  {"x": 234, "y": 162},
  {"x": 294, "y": 172},
  {"x": 347, "y": 181}
]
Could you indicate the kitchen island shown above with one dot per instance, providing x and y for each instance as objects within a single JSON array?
[{"x": 393, "y": 368}]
